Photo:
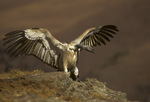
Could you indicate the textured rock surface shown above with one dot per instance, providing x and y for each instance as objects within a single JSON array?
[{"x": 56, "y": 87}]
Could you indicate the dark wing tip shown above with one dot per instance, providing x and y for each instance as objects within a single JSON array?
[
  {"x": 113, "y": 27},
  {"x": 13, "y": 32},
  {"x": 12, "y": 36},
  {"x": 36, "y": 28},
  {"x": 106, "y": 32},
  {"x": 98, "y": 35}
]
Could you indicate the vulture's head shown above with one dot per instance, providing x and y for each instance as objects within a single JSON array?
[{"x": 85, "y": 47}]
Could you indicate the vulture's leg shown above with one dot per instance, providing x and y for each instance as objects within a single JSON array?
[
  {"x": 66, "y": 71},
  {"x": 75, "y": 74}
]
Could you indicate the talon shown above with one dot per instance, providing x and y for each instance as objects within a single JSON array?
[{"x": 69, "y": 73}]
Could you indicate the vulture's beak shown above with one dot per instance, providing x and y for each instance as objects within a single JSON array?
[{"x": 85, "y": 47}]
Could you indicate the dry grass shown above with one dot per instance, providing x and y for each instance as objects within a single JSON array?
[
  {"x": 12, "y": 88},
  {"x": 18, "y": 73}
]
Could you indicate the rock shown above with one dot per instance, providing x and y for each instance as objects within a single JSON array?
[{"x": 56, "y": 87}]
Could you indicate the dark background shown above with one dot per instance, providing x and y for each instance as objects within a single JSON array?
[{"x": 124, "y": 64}]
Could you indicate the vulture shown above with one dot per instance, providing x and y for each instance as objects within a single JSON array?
[{"x": 40, "y": 43}]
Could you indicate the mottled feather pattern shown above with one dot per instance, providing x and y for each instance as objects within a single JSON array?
[{"x": 24, "y": 43}]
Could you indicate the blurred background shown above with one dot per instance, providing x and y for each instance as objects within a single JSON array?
[{"x": 124, "y": 63}]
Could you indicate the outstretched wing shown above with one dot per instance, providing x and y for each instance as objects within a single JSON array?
[
  {"x": 37, "y": 41},
  {"x": 96, "y": 36}
]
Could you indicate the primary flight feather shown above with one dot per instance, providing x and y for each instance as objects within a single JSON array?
[{"x": 62, "y": 56}]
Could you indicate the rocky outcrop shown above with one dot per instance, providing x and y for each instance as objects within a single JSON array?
[{"x": 56, "y": 87}]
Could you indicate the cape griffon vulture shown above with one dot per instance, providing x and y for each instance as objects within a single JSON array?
[{"x": 62, "y": 56}]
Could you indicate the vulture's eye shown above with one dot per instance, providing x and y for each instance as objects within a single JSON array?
[{"x": 70, "y": 49}]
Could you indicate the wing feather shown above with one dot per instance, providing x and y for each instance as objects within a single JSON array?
[
  {"x": 38, "y": 42},
  {"x": 101, "y": 40},
  {"x": 96, "y": 36},
  {"x": 98, "y": 41},
  {"x": 45, "y": 55},
  {"x": 105, "y": 37},
  {"x": 106, "y": 33},
  {"x": 93, "y": 40}
]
